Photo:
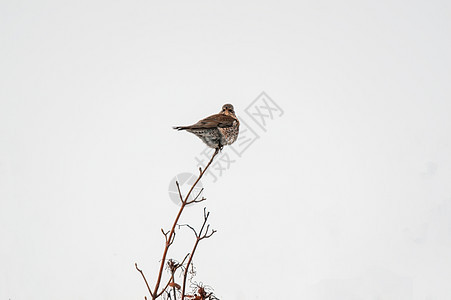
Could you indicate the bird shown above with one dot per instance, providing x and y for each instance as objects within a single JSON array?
[{"x": 217, "y": 130}]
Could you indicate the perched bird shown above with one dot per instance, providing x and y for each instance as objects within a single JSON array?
[{"x": 217, "y": 130}]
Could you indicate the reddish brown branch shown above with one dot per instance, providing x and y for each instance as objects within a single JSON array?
[
  {"x": 178, "y": 189},
  {"x": 199, "y": 236},
  {"x": 195, "y": 198},
  {"x": 170, "y": 238},
  {"x": 171, "y": 279},
  {"x": 145, "y": 280}
]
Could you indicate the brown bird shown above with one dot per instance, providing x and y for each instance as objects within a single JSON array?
[{"x": 217, "y": 130}]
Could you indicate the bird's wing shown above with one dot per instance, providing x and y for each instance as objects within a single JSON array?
[{"x": 214, "y": 121}]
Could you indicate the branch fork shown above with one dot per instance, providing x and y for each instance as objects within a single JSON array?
[{"x": 169, "y": 237}]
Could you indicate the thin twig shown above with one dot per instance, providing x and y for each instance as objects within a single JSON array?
[
  {"x": 199, "y": 237},
  {"x": 189, "y": 226},
  {"x": 205, "y": 220},
  {"x": 178, "y": 189},
  {"x": 167, "y": 284},
  {"x": 173, "y": 288},
  {"x": 173, "y": 238},
  {"x": 145, "y": 280},
  {"x": 165, "y": 234},
  {"x": 195, "y": 198},
  {"x": 186, "y": 256}
]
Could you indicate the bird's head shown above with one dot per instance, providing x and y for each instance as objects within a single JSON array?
[{"x": 227, "y": 109}]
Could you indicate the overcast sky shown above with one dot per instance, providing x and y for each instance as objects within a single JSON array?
[{"x": 344, "y": 194}]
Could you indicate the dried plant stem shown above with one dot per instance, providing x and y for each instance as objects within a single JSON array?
[
  {"x": 199, "y": 236},
  {"x": 170, "y": 238},
  {"x": 145, "y": 280},
  {"x": 187, "y": 267},
  {"x": 173, "y": 288}
]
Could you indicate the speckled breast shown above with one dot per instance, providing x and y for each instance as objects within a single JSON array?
[{"x": 230, "y": 134}]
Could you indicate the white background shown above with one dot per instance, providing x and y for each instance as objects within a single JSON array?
[{"x": 346, "y": 196}]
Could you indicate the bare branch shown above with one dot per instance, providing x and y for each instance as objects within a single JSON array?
[
  {"x": 145, "y": 280},
  {"x": 206, "y": 215},
  {"x": 206, "y": 231},
  {"x": 173, "y": 268},
  {"x": 165, "y": 235},
  {"x": 170, "y": 235},
  {"x": 206, "y": 236},
  {"x": 164, "y": 289},
  {"x": 199, "y": 237},
  {"x": 186, "y": 256},
  {"x": 190, "y": 227},
  {"x": 200, "y": 200},
  {"x": 172, "y": 240},
  {"x": 195, "y": 198},
  {"x": 178, "y": 189}
]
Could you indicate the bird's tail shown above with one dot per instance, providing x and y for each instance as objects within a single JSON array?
[{"x": 180, "y": 127}]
